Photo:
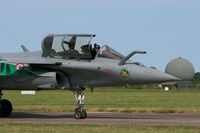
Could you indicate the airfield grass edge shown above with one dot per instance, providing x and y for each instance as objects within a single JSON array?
[
  {"x": 110, "y": 100},
  {"x": 57, "y": 128}
]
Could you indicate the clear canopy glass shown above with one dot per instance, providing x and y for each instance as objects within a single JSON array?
[
  {"x": 68, "y": 46},
  {"x": 107, "y": 52},
  {"x": 76, "y": 46}
]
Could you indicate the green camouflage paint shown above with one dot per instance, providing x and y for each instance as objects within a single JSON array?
[{"x": 10, "y": 69}]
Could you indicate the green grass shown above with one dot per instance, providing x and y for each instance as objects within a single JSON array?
[
  {"x": 110, "y": 100},
  {"x": 54, "y": 128}
]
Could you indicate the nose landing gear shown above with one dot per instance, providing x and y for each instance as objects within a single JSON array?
[{"x": 80, "y": 112}]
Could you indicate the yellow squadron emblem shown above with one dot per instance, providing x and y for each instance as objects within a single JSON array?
[{"x": 124, "y": 73}]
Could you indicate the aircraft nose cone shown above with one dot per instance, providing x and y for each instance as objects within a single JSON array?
[
  {"x": 149, "y": 75},
  {"x": 162, "y": 77}
]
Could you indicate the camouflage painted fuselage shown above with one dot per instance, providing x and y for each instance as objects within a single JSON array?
[{"x": 51, "y": 73}]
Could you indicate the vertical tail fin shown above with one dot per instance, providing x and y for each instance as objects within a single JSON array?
[{"x": 24, "y": 48}]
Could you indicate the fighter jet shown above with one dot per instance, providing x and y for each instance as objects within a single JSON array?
[{"x": 72, "y": 62}]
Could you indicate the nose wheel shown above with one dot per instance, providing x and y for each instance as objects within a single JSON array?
[{"x": 80, "y": 112}]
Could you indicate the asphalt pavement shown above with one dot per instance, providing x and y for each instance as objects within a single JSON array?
[{"x": 105, "y": 119}]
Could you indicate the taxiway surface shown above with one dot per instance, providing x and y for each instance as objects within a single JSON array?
[{"x": 105, "y": 119}]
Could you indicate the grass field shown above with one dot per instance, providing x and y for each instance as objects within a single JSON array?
[
  {"x": 105, "y": 100},
  {"x": 44, "y": 128},
  {"x": 110, "y": 100}
]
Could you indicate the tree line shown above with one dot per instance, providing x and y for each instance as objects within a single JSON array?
[{"x": 196, "y": 78}]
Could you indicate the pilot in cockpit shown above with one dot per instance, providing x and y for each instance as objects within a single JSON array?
[
  {"x": 70, "y": 52},
  {"x": 95, "y": 50},
  {"x": 72, "y": 48}
]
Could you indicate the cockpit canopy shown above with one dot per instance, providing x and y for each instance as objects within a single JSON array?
[
  {"x": 108, "y": 52},
  {"x": 76, "y": 46}
]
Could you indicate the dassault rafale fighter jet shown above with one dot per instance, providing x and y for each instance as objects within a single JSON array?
[{"x": 72, "y": 62}]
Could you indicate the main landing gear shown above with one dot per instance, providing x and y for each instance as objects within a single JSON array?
[
  {"x": 5, "y": 107},
  {"x": 80, "y": 112}
]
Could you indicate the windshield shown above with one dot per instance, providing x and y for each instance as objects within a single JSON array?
[{"x": 107, "y": 52}]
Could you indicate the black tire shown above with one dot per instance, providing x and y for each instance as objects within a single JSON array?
[
  {"x": 78, "y": 114},
  {"x": 5, "y": 108},
  {"x": 84, "y": 114}
]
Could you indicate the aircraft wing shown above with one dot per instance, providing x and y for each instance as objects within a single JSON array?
[
  {"x": 39, "y": 61},
  {"x": 41, "y": 65},
  {"x": 29, "y": 59}
]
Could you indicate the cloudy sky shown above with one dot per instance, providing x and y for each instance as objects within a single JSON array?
[{"x": 166, "y": 29}]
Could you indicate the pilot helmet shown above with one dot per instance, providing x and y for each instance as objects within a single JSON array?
[{"x": 96, "y": 46}]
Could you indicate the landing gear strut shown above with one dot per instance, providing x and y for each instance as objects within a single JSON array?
[
  {"x": 80, "y": 112},
  {"x": 5, "y": 107}
]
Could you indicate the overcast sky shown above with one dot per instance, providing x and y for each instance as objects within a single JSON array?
[{"x": 166, "y": 29}]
